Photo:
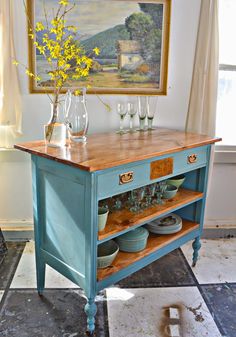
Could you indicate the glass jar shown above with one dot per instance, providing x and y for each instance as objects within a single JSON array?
[{"x": 55, "y": 130}]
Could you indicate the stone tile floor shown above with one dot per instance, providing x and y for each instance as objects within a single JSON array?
[{"x": 137, "y": 306}]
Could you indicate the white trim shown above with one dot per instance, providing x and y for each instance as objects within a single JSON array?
[
  {"x": 216, "y": 223},
  {"x": 5, "y": 149},
  {"x": 16, "y": 224},
  {"x": 225, "y": 155}
]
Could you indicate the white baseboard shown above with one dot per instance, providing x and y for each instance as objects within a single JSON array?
[
  {"x": 16, "y": 225},
  {"x": 220, "y": 223}
]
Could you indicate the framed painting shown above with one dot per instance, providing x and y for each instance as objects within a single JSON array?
[{"x": 133, "y": 38}]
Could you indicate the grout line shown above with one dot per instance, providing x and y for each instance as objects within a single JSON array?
[
  {"x": 105, "y": 314},
  {"x": 198, "y": 285},
  {"x": 215, "y": 319}
]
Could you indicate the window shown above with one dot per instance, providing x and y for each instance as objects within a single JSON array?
[{"x": 226, "y": 105}]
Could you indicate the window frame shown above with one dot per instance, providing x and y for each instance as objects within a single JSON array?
[{"x": 225, "y": 153}]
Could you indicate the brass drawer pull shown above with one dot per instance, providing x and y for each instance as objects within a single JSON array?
[
  {"x": 192, "y": 158},
  {"x": 126, "y": 178}
]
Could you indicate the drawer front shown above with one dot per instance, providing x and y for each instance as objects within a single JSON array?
[
  {"x": 190, "y": 159},
  {"x": 128, "y": 177}
]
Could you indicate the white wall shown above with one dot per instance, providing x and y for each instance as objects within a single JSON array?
[{"x": 172, "y": 109}]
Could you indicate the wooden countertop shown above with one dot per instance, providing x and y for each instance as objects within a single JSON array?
[{"x": 108, "y": 150}]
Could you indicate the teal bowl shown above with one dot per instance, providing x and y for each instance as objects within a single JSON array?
[
  {"x": 134, "y": 240},
  {"x": 107, "y": 252},
  {"x": 176, "y": 181},
  {"x": 170, "y": 192}
]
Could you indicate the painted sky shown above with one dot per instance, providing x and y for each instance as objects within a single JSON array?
[{"x": 91, "y": 16}]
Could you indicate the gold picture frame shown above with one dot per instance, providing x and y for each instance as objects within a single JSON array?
[{"x": 127, "y": 65}]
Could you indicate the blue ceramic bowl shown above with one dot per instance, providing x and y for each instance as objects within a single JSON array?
[
  {"x": 170, "y": 192},
  {"x": 133, "y": 241},
  {"x": 107, "y": 252}
]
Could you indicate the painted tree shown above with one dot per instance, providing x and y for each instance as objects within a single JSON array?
[{"x": 143, "y": 29}]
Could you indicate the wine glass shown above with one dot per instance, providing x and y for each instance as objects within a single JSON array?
[
  {"x": 121, "y": 110},
  {"x": 138, "y": 195},
  {"x": 151, "y": 109},
  {"x": 142, "y": 112},
  {"x": 131, "y": 110}
]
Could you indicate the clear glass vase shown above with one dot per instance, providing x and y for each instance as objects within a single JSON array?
[
  {"x": 76, "y": 116},
  {"x": 55, "y": 130}
]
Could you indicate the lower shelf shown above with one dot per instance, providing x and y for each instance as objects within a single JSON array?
[{"x": 155, "y": 242}]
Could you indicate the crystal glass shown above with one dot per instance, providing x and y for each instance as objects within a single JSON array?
[
  {"x": 76, "y": 116},
  {"x": 161, "y": 187},
  {"x": 151, "y": 109},
  {"x": 150, "y": 193},
  {"x": 121, "y": 110},
  {"x": 138, "y": 196},
  {"x": 142, "y": 112},
  {"x": 131, "y": 110}
]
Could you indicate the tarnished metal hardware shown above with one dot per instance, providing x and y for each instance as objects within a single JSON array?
[
  {"x": 192, "y": 158},
  {"x": 126, "y": 177}
]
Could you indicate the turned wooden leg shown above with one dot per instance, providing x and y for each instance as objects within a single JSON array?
[
  {"x": 90, "y": 310},
  {"x": 196, "y": 246}
]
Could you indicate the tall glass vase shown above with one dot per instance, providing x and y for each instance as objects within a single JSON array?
[
  {"x": 76, "y": 116},
  {"x": 55, "y": 130}
]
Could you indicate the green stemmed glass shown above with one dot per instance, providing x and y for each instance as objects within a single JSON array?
[
  {"x": 142, "y": 112},
  {"x": 131, "y": 110},
  {"x": 151, "y": 109},
  {"x": 121, "y": 110}
]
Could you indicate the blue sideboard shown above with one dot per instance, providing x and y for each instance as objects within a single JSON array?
[{"x": 69, "y": 183}]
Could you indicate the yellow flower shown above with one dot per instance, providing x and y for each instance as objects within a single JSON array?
[
  {"x": 31, "y": 36},
  {"x": 15, "y": 63},
  {"x": 39, "y": 26},
  {"x": 72, "y": 29},
  {"x": 64, "y": 2},
  {"x": 96, "y": 50},
  {"x": 77, "y": 92},
  {"x": 29, "y": 73},
  {"x": 41, "y": 49}
]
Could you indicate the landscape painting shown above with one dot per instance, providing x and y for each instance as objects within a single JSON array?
[{"x": 133, "y": 38}]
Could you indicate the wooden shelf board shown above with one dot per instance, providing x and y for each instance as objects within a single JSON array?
[
  {"x": 124, "y": 219},
  {"x": 155, "y": 242}
]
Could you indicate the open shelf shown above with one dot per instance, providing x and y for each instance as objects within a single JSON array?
[
  {"x": 154, "y": 243},
  {"x": 119, "y": 221}
]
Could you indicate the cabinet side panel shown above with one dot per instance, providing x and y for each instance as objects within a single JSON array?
[{"x": 62, "y": 213}]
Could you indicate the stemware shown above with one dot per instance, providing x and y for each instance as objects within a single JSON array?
[
  {"x": 151, "y": 109},
  {"x": 161, "y": 187},
  {"x": 138, "y": 195},
  {"x": 142, "y": 112},
  {"x": 121, "y": 110},
  {"x": 131, "y": 110},
  {"x": 150, "y": 193}
]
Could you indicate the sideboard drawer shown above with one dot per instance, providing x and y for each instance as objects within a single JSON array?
[
  {"x": 131, "y": 176},
  {"x": 123, "y": 179},
  {"x": 190, "y": 159}
]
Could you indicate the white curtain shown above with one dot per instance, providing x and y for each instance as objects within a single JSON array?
[
  {"x": 201, "y": 117},
  {"x": 10, "y": 99}
]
